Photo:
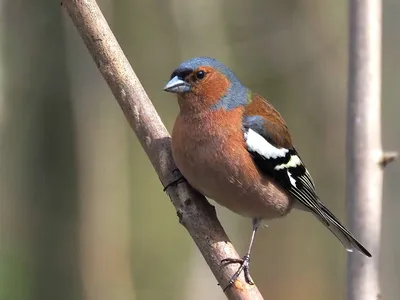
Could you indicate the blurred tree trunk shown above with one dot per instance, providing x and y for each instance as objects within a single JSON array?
[
  {"x": 364, "y": 146},
  {"x": 202, "y": 30},
  {"x": 37, "y": 172},
  {"x": 104, "y": 192},
  {"x": 144, "y": 30}
]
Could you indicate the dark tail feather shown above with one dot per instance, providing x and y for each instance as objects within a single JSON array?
[{"x": 343, "y": 235}]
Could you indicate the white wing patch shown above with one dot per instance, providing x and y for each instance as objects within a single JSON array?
[
  {"x": 256, "y": 143},
  {"x": 292, "y": 163},
  {"x": 292, "y": 180}
]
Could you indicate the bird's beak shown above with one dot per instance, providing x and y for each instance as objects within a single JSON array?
[{"x": 177, "y": 85}]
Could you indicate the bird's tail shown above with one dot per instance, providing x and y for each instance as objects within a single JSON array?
[{"x": 343, "y": 235}]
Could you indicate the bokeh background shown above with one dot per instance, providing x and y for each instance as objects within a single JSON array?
[{"x": 82, "y": 212}]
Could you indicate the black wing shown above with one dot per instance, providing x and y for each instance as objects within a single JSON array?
[{"x": 283, "y": 165}]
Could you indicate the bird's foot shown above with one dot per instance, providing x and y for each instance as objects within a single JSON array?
[
  {"x": 244, "y": 266},
  {"x": 175, "y": 181}
]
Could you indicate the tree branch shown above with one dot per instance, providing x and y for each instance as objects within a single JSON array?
[
  {"x": 193, "y": 210},
  {"x": 365, "y": 160}
]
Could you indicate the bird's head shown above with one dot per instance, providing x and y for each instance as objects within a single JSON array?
[{"x": 203, "y": 83}]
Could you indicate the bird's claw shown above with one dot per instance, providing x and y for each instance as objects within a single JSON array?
[
  {"x": 176, "y": 181},
  {"x": 244, "y": 266}
]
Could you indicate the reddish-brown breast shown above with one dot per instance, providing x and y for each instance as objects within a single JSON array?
[{"x": 209, "y": 149}]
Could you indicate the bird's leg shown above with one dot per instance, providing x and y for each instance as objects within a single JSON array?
[
  {"x": 245, "y": 261},
  {"x": 175, "y": 181}
]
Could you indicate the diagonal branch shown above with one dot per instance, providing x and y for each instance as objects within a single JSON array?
[{"x": 193, "y": 210}]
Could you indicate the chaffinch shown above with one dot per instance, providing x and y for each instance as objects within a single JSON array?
[{"x": 232, "y": 146}]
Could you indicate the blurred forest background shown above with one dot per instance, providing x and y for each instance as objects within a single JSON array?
[{"x": 82, "y": 212}]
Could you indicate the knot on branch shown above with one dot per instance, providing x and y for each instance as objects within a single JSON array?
[{"x": 387, "y": 157}]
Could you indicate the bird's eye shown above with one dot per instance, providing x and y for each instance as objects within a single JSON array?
[{"x": 200, "y": 75}]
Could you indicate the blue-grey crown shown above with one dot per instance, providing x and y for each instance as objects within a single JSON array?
[
  {"x": 197, "y": 62},
  {"x": 236, "y": 94}
]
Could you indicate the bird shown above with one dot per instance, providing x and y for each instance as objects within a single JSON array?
[{"x": 234, "y": 147}]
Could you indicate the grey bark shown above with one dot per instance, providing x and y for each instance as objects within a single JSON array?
[{"x": 365, "y": 158}]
